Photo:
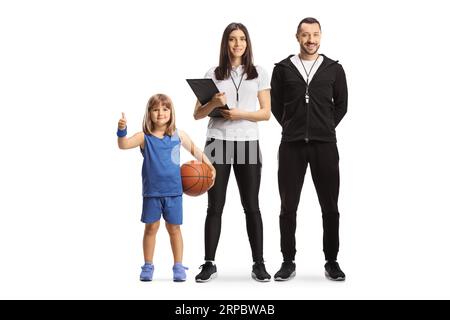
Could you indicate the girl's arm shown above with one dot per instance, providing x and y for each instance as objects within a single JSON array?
[
  {"x": 218, "y": 100},
  {"x": 262, "y": 114},
  {"x": 134, "y": 141},
  {"x": 189, "y": 145}
]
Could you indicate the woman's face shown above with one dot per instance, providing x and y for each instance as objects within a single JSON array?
[{"x": 237, "y": 43}]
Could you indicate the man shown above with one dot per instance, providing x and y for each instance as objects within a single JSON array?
[{"x": 309, "y": 99}]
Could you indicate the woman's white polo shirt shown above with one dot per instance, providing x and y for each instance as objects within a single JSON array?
[{"x": 238, "y": 130}]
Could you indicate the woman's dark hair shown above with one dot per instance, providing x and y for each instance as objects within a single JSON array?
[{"x": 223, "y": 70}]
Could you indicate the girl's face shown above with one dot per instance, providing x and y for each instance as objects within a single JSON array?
[
  {"x": 160, "y": 115},
  {"x": 237, "y": 43}
]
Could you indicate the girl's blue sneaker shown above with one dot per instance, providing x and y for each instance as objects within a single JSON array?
[
  {"x": 179, "y": 272},
  {"x": 147, "y": 272}
]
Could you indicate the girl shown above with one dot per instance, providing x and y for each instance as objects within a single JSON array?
[
  {"x": 232, "y": 141},
  {"x": 160, "y": 142}
]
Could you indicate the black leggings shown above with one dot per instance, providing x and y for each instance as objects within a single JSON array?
[{"x": 245, "y": 158}]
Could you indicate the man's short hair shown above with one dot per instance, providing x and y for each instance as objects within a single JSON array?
[{"x": 310, "y": 21}]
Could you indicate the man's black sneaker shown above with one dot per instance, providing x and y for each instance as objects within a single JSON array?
[
  {"x": 333, "y": 272},
  {"x": 286, "y": 272},
  {"x": 259, "y": 272},
  {"x": 209, "y": 271}
]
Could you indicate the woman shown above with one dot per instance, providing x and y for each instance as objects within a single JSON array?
[{"x": 232, "y": 141}]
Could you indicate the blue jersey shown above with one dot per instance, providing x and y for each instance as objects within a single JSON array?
[{"x": 161, "y": 175}]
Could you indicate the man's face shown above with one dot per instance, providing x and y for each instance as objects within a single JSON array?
[{"x": 309, "y": 38}]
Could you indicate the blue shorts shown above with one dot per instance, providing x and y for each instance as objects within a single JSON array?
[{"x": 171, "y": 208}]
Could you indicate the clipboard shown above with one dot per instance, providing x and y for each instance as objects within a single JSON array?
[{"x": 204, "y": 90}]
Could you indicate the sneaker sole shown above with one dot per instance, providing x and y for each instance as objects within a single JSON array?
[
  {"x": 293, "y": 274},
  {"x": 259, "y": 280},
  {"x": 327, "y": 275},
  {"x": 213, "y": 276},
  {"x": 179, "y": 280},
  {"x": 145, "y": 280}
]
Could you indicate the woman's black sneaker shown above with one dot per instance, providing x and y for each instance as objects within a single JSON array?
[
  {"x": 333, "y": 271},
  {"x": 286, "y": 272},
  {"x": 259, "y": 272},
  {"x": 209, "y": 272}
]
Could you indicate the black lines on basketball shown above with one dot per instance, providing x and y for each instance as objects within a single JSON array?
[{"x": 195, "y": 177}]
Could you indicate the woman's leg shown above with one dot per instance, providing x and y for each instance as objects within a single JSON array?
[
  {"x": 248, "y": 178},
  {"x": 218, "y": 153},
  {"x": 216, "y": 202}
]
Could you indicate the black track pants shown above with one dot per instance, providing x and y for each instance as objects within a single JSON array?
[{"x": 323, "y": 159}]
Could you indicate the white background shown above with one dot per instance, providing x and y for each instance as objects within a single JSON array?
[{"x": 70, "y": 199}]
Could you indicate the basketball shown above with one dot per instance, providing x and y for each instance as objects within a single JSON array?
[{"x": 196, "y": 178}]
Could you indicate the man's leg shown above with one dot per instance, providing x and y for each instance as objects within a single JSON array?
[
  {"x": 291, "y": 173},
  {"x": 324, "y": 164}
]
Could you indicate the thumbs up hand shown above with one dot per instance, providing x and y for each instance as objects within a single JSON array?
[{"x": 122, "y": 122}]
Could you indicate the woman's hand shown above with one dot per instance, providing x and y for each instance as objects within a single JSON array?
[
  {"x": 201, "y": 111},
  {"x": 232, "y": 114},
  {"x": 219, "y": 100}
]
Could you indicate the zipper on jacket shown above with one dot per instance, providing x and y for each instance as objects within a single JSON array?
[
  {"x": 307, "y": 113},
  {"x": 307, "y": 97}
]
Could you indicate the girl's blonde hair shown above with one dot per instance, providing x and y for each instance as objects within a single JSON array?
[{"x": 154, "y": 101}]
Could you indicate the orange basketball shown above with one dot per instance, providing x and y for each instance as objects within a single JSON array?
[{"x": 196, "y": 178}]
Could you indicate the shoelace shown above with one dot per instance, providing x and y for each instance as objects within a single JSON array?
[{"x": 147, "y": 268}]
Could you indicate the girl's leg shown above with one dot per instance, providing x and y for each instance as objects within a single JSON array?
[
  {"x": 149, "y": 240},
  {"x": 176, "y": 241}
]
